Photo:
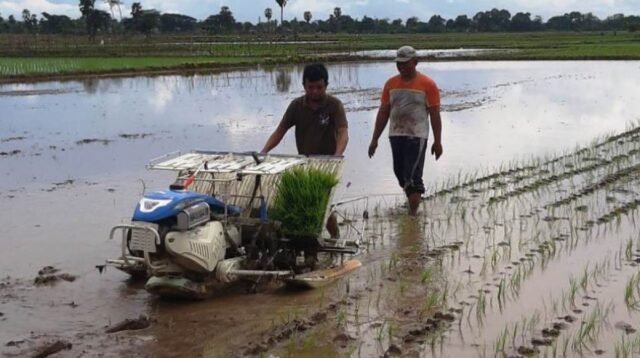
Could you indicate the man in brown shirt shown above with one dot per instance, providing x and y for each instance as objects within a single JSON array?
[{"x": 319, "y": 119}]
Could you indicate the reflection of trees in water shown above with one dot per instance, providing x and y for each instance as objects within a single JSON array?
[
  {"x": 283, "y": 80},
  {"x": 264, "y": 81},
  {"x": 101, "y": 85}
]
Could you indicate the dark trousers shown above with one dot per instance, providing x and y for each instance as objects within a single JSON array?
[{"x": 408, "y": 162}]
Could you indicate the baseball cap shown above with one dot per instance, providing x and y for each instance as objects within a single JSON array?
[{"x": 405, "y": 53}]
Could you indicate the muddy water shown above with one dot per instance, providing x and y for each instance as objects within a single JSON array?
[{"x": 73, "y": 159}]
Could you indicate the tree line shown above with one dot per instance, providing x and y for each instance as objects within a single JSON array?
[{"x": 149, "y": 21}]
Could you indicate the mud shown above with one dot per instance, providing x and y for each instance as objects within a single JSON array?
[
  {"x": 10, "y": 153},
  {"x": 52, "y": 348},
  {"x": 130, "y": 324},
  {"x": 61, "y": 204},
  {"x": 93, "y": 140},
  {"x": 11, "y": 139}
]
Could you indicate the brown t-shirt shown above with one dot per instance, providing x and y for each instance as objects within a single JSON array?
[{"x": 316, "y": 130}]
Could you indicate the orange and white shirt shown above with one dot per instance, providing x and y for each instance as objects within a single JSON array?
[{"x": 409, "y": 101}]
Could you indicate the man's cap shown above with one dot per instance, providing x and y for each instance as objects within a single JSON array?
[{"x": 406, "y": 53}]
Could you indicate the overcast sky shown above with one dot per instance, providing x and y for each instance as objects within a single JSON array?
[{"x": 250, "y": 10}]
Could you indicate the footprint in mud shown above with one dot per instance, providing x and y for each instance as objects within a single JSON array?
[
  {"x": 538, "y": 342},
  {"x": 10, "y": 153},
  {"x": 130, "y": 324},
  {"x": 343, "y": 340},
  {"x": 52, "y": 348},
  {"x": 11, "y": 139},
  {"x": 559, "y": 326},
  {"x": 49, "y": 275},
  {"x": 527, "y": 351},
  {"x": 393, "y": 351},
  {"x": 550, "y": 332},
  {"x": 568, "y": 318},
  {"x": 134, "y": 135},
  {"x": 626, "y": 327},
  {"x": 94, "y": 140}
]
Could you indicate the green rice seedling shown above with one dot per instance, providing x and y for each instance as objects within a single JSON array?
[
  {"x": 501, "y": 293},
  {"x": 481, "y": 306},
  {"x": 381, "y": 331},
  {"x": 514, "y": 334},
  {"x": 584, "y": 279},
  {"x": 431, "y": 302},
  {"x": 573, "y": 289},
  {"x": 502, "y": 342},
  {"x": 302, "y": 199},
  {"x": 445, "y": 295},
  {"x": 631, "y": 290},
  {"x": 341, "y": 319},
  {"x": 629, "y": 250}
]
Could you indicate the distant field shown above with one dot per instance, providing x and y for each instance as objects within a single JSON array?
[{"x": 27, "y": 55}]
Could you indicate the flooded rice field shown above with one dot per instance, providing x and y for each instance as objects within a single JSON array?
[
  {"x": 439, "y": 53},
  {"x": 528, "y": 245}
]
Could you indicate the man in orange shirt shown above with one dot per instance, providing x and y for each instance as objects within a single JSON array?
[{"x": 411, "y": 100}]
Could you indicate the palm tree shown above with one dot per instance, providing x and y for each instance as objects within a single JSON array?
[
  {"x": 268, "y": 13},
  {"x": 307, "y": 16},
  {"x": 282, "y": 4},
  {"x": 112, "y": 4},
  {"x": 337, "y": 12}
]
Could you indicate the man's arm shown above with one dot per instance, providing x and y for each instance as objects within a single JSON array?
[
  {"x": 381, "y": 122},
  {"x": 436, "y": 126},
  {"x": 342, "y": 138},
  {"x": 274, "y": 139}
]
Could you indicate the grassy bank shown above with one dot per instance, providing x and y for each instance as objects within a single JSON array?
[{"x": 27, "y": 56}]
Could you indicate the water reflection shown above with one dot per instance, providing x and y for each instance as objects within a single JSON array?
[
  {"x": 495, "y": 112},
  {"x": 283, "y": 80}
]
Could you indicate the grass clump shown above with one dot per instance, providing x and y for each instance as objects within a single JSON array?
[{"x": 302, "y": 200}]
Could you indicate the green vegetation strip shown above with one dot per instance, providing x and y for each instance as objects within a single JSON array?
[
  {"x": 10, "y": 66},
  {"x": 302, "y": 200}
]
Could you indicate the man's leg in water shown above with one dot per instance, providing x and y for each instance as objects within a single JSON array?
[
  {"x": 332, "y": 226},
  {"x": 414, "y": 186}
]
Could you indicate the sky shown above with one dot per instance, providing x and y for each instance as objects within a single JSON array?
[{"x": 250, "y": 10}]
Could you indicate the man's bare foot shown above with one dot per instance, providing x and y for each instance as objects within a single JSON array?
[{"x": 414, "y": 203}]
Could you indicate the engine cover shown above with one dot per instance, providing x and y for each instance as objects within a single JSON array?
[{"x": 199, "y": 249}]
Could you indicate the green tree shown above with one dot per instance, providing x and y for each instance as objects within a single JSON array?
[
  {"x": 282, "y": 4},
  {"x": 56, "y": 24},
  {"x": 436, "y": 24},
  {"x": 30, "y": 21},
  {"x": 86, "y": 6},
  {"x": 136, "y": 10},
  {"x": 177, "y": 23},
  {"x": 632, "y": 23},
  {"x": 112, "y": 4},
  {"x": 462, "y": 23},
  {"x": 337, "y": 16},
  {"x": 307, "y": 16},
  {"x": 147, "y": 21},
  {"x": 97, "y": 20},
  {"x": 521, "y": 22},
  {"x": 220, "y": 23},
  {"x": 412, "y": 24}
]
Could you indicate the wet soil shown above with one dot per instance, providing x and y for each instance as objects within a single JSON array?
[{"x": 496, "y": 251}]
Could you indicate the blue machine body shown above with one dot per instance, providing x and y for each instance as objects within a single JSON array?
[{"x": 159, "y": 205}]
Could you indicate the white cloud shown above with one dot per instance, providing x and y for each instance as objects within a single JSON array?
[{"x": 15, "y": 7}]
